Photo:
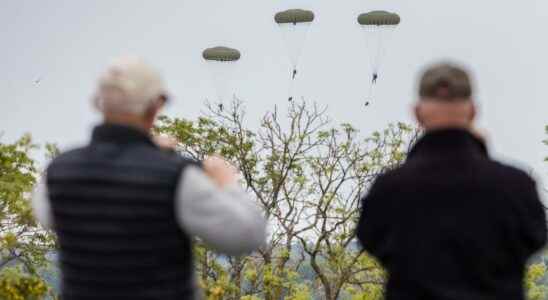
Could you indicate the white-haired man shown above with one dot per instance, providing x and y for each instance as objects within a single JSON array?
[{"x": 125, "y": 211}]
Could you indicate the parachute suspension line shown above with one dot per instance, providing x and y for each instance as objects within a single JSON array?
[
  {"x": 377, "y": 37},
  {"x": 294, "y": 74},
  {"x": 291, "y": 91},
  {"x": 373, "y": 37},
  {"x": 292, "y": 83},
  {"x": 294, "y": 25},
  {"x": 377, "y": 27},
  {"x": 371, "y": 95},
  {"x": 221, "y": 62},
  {"x": 294, "y": 35},
  {"x": 221, "y": 74},
  {"x": 385, "y": 36}
]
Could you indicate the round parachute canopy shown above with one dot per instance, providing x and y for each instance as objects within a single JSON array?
[
  {"x": 221, "y": 54},
  {"x": 294, "y": 16},
  {"x": 379, "y": 18}
]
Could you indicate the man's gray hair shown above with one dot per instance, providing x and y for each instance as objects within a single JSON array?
[
  {"x": 445, "y": 81},
  {"x": 129, "y": 86}
]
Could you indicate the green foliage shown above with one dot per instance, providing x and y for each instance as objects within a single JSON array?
[
  {"x": 308, "y": 177},
  {"x": 533, "y": 282},
  {"x": 368, "y": 292},
  {"x": 299, "y": 292},
  {"x": 22, "y": 241},
  {"x": 299, "y": 167},
  {"x": 17, "y": 285},
  {"x": 217, "y": 283}
]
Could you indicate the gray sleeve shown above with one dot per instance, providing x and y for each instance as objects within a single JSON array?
[
  {"x": 41, "y": 206},
  {"x": 226, "y": 219}
]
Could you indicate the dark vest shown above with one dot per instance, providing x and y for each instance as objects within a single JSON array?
[{"x": 113, "y": 210}]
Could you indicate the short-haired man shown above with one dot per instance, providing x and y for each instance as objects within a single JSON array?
[
  {"x": 451, "y": 223},
  {"x": 125, "y": 211}
]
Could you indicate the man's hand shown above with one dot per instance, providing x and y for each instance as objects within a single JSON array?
[
  {"x": 220, "y": 171},
  {"x": 165, "y": 142}
]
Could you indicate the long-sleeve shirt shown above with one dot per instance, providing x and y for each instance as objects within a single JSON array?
[{"x": 225, "y": 219}]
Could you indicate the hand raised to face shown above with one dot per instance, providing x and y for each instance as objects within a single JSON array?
[
  {"x": 220, "y": 171},
  {"x": 165, "y": 142}
]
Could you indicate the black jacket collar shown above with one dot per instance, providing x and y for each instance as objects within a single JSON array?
[
  {"x": 119, "y": 134},
  {"x": 449, "y": 142}
]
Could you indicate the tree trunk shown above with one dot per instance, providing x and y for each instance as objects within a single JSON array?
[
  {"x": 205, "y": 267},
  {"x": 237, "y": 277},
  {"x": 267, "y": 257},
  {"x": 323, "y": 279},
  {"x": 280, "y": 268}
]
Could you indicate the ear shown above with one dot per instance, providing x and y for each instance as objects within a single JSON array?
[
  {"x": 418, "y": 113},
  {"x": 153, "y": 110},
  {"x": 97, "y": 103},
  {"x": 473, "y": 112}
]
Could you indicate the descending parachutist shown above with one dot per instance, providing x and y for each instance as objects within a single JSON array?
[
  {"x": 294, "y": 74},
  {"x": 219, "y": 61},
  {"x": 375, "y": 77}
]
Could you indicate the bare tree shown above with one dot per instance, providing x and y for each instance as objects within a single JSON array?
[{"x": 308, "y": 178}]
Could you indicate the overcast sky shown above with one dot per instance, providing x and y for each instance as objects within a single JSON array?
[{"x": 66, "y": 44}]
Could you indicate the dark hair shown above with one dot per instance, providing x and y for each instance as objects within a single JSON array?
[{"x": 445, "y": 81}]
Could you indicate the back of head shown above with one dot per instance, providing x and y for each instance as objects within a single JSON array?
[
  {"x": 129, "y": 86},
  {"x": 445, "y": 82},
  {"x": 445, "y": 97}
]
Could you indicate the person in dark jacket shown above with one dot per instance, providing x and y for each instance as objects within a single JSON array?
[
  {"x": 451, "y": 223},
  {"x": 126, "y": 211}
]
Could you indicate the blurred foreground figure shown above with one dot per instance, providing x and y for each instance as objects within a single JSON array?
[
  {"x": 125, "y": 210},
  {"x": 451, "y": 223}
]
